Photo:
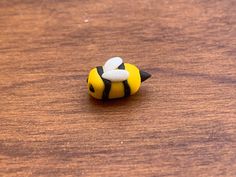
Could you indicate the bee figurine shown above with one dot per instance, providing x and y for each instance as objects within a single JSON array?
[{"x": 115, "y": 79}]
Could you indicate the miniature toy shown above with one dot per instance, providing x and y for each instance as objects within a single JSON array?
[{"x": 115, "y": 79}]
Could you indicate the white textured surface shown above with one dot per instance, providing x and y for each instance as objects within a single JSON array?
[
  {"x": 112, "y": 63},
  {"x": 116, "y": 75}
]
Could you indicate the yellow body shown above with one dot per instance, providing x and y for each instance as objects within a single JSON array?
[{"x": 117, "y": 88}]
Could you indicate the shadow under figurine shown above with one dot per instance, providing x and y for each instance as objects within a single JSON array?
[{"x": 115, "y": 79}]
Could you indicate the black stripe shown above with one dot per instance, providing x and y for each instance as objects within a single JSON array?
[
  {"x": 106, "y": 82},
  {"x": 125, "y": 83}
]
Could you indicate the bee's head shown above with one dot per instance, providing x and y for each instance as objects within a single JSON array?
[{"x": 95, "y": 84}]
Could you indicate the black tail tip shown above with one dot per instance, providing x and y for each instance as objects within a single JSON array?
[{"x": 144, "y": 75}]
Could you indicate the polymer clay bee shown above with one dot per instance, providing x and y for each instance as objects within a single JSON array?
[{"x": 115, "y": 79}]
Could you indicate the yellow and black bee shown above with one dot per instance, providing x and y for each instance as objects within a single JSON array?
[{"x": 115, "y": 79}]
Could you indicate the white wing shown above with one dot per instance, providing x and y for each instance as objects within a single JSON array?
[
  {"x": 112, "y": 63},
  {"x": 116, "y": 75}
]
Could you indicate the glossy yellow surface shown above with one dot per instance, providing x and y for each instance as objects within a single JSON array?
[
  {"x": 97, "y": 83},
  {"x": 117, "y": 90},
  {"x": 134, "y": 79}
]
